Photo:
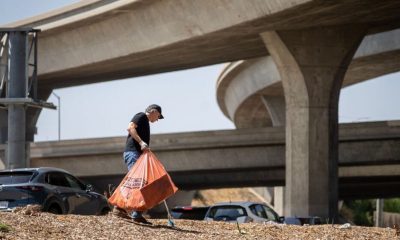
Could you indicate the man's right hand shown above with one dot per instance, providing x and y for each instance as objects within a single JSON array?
[{"x": 143, "y": 145}]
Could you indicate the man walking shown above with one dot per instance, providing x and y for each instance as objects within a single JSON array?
[{"x": 137, "y": 141}]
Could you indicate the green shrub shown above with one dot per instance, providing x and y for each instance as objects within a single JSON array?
[
  {"x": 392, "y": 205},
  {"x": 362, "y": 211}
]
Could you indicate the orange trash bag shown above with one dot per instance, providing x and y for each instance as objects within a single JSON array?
[{"x": 145, "y": 185}]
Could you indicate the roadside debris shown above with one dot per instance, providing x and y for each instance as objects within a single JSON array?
[{"x": 345, "y": 226}]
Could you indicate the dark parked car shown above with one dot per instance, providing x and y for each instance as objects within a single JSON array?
[
  {"x": 241, "y": 212},
  {"x": 189, "y": 212},
  {"x": 302, "y": 220},
  {"x": 56, "y": 190}
]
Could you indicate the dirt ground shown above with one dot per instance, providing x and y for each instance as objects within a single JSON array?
[
  {"x": 48, "y": 226},
  {"x": 30, "y": 223}
]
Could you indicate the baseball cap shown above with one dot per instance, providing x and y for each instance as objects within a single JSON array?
[{"x": 156, "y": 107}]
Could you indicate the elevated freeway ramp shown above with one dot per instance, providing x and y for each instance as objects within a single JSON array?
[{"x": 369, "y": 158}]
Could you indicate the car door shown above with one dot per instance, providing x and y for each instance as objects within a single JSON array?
[
  {"x": 263, "y": 213},
  {"x": 86, "y": 202},
  {"x": 271, "y": 214},
  {"x": 62, "y": 191}
]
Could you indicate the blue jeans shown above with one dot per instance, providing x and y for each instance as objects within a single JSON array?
[{"x": 130, "y": 159}]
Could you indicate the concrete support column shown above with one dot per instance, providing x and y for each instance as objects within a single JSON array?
[
  {"x": 276, "y": 108},
  {"x": 279, "y": 200},
  {"x": 17, "y": 88},
  {"x": 3, "y": 112},
  {"x": 3, "y": 138},
  {"x": 3, "y": 126},
  {"x": 3, "y": 156},
  {"x": 379, "y": 212},
  {"x": 312, "y": 63}
]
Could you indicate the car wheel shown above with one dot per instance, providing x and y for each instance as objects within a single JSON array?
[
  {"x": 54, "y": 208},
  {"x": 105, "y": 211}
]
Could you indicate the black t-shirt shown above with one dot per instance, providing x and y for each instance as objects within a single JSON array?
[{"x": 143, "y": 130}]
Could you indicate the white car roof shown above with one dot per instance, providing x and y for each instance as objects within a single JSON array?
[{"x": 242, "y": 203}]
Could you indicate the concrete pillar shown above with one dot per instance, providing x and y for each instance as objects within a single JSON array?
[
  {"x": 312, "y": 63},
  {"x": 276, "y": 108},
  {"x": 17, "y": 88},
  {"x": 3, "y": 156},
  {"x": 379, "y": 213},
  {"x": 3, "y": 126},
  {"x": 3, "y": 81},
  {"x": 279, "y": 200}
]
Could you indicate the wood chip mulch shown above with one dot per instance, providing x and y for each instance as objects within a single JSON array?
[{"x": 39, "y": 225}]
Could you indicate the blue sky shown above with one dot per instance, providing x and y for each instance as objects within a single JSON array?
[{"x": 187, "y": 97}]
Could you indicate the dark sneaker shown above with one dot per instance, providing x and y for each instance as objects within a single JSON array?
[{"x": 141, "y": 220}]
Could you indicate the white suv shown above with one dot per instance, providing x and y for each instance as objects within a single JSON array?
[{"x": 241, "y": 212}]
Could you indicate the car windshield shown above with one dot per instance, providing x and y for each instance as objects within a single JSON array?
[
  {"x": 227, "y": 212},
  {"x": 15, "y": 177}
]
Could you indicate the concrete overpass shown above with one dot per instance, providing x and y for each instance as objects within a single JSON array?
[
  {"x": 187, "y": 29},
  {"x": 311, "y": 42},
  {"x": 250, "y": 92},
  {"x": 369, "y": 158},
  {"x": 190, "y": 30}
]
